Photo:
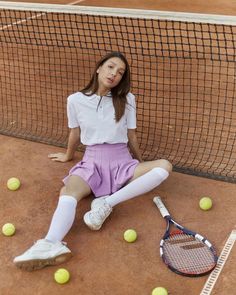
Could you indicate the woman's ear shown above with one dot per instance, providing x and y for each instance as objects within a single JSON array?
[{"x": 98, "y": 70}]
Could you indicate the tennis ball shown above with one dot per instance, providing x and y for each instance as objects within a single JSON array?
[
  {"x": 8, "y": 229},
  {"x": 130, "y": 235},
  {"x": 205, "y": 203},
  {"x": 159, "y": 291},
  {"x": 62, "y": 276},
  {"x": 13, "y": 183}
]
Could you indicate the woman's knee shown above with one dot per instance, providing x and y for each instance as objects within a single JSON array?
[
  {"x": 165, "y": 164},
  {"x": 73, "y": 193},
  {"x": 66, "y": 191},
  {"x": 78, "y": 190}
]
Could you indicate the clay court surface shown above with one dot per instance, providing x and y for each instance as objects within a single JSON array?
[{"x": 103, "y": 263}]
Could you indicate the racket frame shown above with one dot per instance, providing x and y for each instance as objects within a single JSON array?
[{"x": 166, "y": 215}]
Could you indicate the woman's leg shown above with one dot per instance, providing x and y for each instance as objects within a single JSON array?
[
  {"x": 51, "y": 251},
  {"x": 64, "y": 215},
  {"x": 147, "y": 176},
  {"x": 145, "y": 167}
]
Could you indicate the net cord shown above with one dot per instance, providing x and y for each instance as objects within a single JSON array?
[{"x": 122, "y": 12}]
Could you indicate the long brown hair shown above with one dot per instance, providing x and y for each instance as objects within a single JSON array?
[{"x": 119, "y": 92}]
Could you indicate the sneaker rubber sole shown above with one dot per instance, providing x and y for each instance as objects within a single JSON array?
[{"x": 35, "y": 264}]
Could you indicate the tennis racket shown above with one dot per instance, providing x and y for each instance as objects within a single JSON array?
[{"x": 184, "y": 251}]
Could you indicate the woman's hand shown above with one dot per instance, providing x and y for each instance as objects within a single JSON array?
[
  {"x": 133, "y": 144},
  {"x": 59, "y": 157},
  {"x": 73, "y": 143}
]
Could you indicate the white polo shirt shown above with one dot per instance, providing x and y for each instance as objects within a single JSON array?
[{"x": 98, "y": 125}]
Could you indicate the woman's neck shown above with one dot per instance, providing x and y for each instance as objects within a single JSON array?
[{"x": 102, "y": 91}]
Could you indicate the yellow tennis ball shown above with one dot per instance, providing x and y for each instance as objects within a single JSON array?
[
  {"x": 159, "y": 291},
  {"x": 62, "y": 276},
  {"x": 205, "y": 203},
  {"x": 13, "y": 183},
  {"x": 8, "y": 229},
  {"x": 130, "y": 235}
]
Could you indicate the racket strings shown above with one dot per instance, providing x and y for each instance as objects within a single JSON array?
[{"x": 187, "y": 254}]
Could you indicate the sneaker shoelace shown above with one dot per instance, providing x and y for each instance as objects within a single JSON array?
[{"x": 102, "y": 212}]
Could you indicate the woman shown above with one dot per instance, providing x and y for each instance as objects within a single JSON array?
[{"x": 103, "y": 117}]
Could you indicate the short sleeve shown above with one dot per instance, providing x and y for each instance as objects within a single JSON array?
[
  {"x": 131, "y": 111},
  {"x": 71, "y": 112}
]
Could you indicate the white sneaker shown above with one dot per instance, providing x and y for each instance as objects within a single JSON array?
[
  {"x": 95, "y": 217},
  {"x": 41, "y": 254},
  {"x": 98, "y": 202}
]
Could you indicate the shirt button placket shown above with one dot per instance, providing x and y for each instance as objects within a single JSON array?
[{"x": 100, "y": 112}]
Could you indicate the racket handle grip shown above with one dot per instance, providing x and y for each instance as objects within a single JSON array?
[{"x": 164, "y": 212}]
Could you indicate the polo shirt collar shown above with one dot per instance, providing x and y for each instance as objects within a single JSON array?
[{"x": 93, "y": 96}]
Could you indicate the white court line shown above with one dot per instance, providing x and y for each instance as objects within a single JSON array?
[
  {"x": 21, "y": 21},
  {"x": 34, "y": 17},
  {"x": 75, "y": 2},
  {"x": 208, "y": 287}
]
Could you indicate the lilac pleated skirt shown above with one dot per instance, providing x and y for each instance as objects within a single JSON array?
[{"x": 105, "y": 168}]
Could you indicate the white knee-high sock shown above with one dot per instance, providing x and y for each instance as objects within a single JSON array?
[
  {"x": 62, "y": 219},
  {"x": 139, "y": 186}
]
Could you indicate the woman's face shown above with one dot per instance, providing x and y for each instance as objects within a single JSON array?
[{"x": 110, "y": 73}]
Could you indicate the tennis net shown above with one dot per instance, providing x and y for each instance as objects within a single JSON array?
[{"x": 183, "y": 76}]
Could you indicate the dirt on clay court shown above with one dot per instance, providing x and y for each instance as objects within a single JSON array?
[{"x": 103, "y": 263}]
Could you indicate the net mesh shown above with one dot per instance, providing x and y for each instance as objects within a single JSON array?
[{"x": 183, "y": 77}]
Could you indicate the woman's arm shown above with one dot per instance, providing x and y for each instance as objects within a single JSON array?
[
  {"x": 73, "y": 142},
  {"x": 133, "y": 144}
]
